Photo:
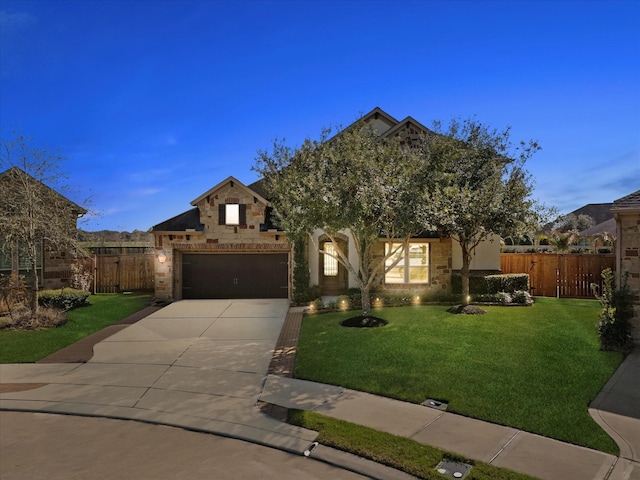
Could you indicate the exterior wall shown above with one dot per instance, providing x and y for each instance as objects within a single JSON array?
[
  {"x": 56, "y": 270},
  {"x": 628, "y": 258},
  {"x": 440, "y": 267},
  {"x": 215, "y": 238},
  {"x": 486, "y": 257}
]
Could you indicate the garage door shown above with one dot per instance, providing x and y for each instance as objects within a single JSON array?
[{"x": 235, "y": 275}]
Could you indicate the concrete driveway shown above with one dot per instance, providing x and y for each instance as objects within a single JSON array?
[{"x": 196, "y": 364}]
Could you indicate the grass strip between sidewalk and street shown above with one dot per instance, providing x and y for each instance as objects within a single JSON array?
[
  {"x": 23, "y": 346},
  {"x": 532, "y": 368},
  {"x": 397, "y": 452}
]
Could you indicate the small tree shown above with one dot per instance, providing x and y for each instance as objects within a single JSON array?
[
  {"x": 353, "y": 182},
  {"x": 614, "y": 327},
  {"x": 33, "y": 216},
  {"x": 481, "y": 189}
]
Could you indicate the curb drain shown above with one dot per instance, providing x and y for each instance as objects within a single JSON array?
[
  {"x": 438, "y": 405},
  {"x": 453, "y": 469}
]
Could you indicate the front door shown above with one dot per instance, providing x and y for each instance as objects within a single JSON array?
[{"x": 333, "y": 275}]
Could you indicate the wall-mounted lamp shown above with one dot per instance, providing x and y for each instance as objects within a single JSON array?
[{"x": 162, "y": 256}]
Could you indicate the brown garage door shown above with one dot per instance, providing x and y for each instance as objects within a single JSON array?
[{"x": 235, "y": 275}]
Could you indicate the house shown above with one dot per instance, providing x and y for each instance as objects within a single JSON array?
[
  {"x": 626, "y": 211},
  {"x": 54, "y": 268},
  {"x": 227, "y": 247}
]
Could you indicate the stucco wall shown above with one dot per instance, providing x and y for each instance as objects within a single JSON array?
[{"x": 486, "y": 256}]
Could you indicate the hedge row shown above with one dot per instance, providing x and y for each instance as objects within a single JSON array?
[{"x": 65, "y": 299}]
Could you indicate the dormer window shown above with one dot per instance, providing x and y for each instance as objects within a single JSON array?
[{"x": 233, "y": 214}]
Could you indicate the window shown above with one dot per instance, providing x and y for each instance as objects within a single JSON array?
[
  {"x": 8, "y": 261},
  {"x": 412, "y": 263},
  {"x": 232, "y": 214},
  {"x": 330, "y": 262}
]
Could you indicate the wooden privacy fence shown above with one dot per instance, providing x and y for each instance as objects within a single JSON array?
[
  {"x": 121, "y": 273},
  {"x": 561, "y": 274}
]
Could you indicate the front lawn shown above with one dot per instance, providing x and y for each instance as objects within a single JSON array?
[
  {"x": 533, "y": 368},
  {"x": 22, "y": 346}
]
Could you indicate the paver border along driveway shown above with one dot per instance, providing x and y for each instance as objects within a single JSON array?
[{"x": 196, "y": 364}]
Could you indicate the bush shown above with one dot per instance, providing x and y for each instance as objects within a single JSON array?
[
  {"x": 66, "y": 299},
  {"x": 522, "y": 297},
  {"x": 25, "y": 319},
  {"x": 518, "y": 297},
  {"x": 614, "y": 327},
  {"x": 507, "y": 283}
]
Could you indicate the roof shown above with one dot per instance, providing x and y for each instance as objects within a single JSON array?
[
  {"x": 608, "y": 226},
  {"x": 629, "y": 202},
  {"x": 181, "y": 222},
  {"x": 600, "y": 212},
  {"x": 15, "y": 171}
]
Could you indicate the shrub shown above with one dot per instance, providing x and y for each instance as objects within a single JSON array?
[
  {"x": 522, "y": 297},
  {"x": 301, "y": 290},
  {"x": 25, "y": 319},
  {"x": 66, "y": 299},
  {"x": 504, "y": 297},
  {"x": 507, "y": 283},
  {"x": 614, "y": 327}
]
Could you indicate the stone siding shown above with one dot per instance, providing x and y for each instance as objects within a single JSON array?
[
  {"x": 215, "y": 238},
  {"x": 628, "y": 250}
]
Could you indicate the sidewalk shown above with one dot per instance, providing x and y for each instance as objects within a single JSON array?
[{"x": 209, "y": 374}]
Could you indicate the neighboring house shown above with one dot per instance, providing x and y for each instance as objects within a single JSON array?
[
  {"x": 227, "y": 247},
  {"x": 626, "y": 211},
  {"x": 53, "y": 267}
]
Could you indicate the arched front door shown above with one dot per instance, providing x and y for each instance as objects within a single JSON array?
[{"x": 333, "y": 275}]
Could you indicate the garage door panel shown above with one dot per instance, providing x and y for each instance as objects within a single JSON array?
[{"x": 235, "y": 276}]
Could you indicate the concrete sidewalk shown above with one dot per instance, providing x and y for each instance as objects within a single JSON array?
[
  {"x": 204, "y": 366},
  {"x": 505, "y": 447}
]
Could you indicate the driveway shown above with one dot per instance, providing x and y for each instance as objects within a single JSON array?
[{"x": 196, "y": 364}]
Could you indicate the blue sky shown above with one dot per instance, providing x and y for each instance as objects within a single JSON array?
[{"x": 153, "y": 102}]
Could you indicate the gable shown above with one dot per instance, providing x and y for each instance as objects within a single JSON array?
[
  {"x": 230, "y": 182},
  {"x": 14, "y": 174}
]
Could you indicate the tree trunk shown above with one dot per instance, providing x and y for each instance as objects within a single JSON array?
[
  {"x": 33, "y": 291},
  {"x": 366, "y": 302},
  {"x": 464, "y": 273}
]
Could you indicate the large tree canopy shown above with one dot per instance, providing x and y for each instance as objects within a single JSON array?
[
  {"x": 32, "y": 214},
  {"x": 482, "y": 188},
  {"x": 352, "y": 182}
]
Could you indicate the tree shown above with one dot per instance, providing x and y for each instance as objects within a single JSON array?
[
  {"x": 481, "y": 188},
  {"x": 352, "y": 182},
  {"x": 34, "y": 218},
  {"x": 573, "y": 223}
]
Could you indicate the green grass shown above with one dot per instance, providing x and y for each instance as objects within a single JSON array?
[
  {"x": 18, "y": 346},
  {"x": 398, "y": 452},
  {"x": 533, "y": 368}
]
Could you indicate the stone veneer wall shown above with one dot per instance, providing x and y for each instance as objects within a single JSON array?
[
  {"x": 215, "y": 238},
  {"x": 440, "y": 275},
  {"x": 628, "y": 252}
]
